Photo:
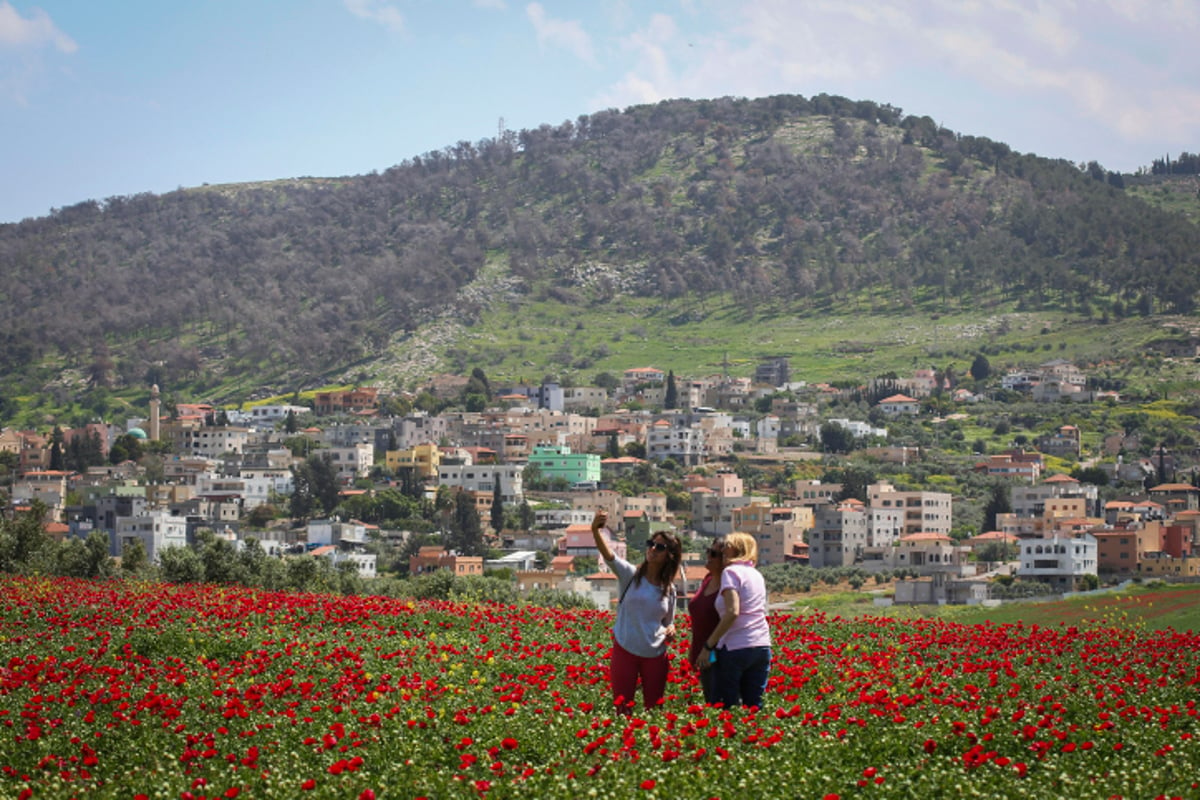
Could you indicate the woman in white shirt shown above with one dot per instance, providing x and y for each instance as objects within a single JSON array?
[{"x": 645, "y": 621}]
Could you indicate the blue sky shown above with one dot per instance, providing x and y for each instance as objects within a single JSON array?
[{"x": 100, "y": 98}]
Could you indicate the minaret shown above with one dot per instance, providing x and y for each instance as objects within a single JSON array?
[{"x": 155, "y": 411}]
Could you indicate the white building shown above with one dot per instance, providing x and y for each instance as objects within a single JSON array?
[
  {"x": 259, "y": 484},
  {"x": 518, "y": 561},
  {"x": 333, "y": 531},
  {"x": 211, "y": 441},
  {"x": 364, "y": 563},
  {"x": 267, "y": 416},
  {"x": 483, "y": 478},
  {"x": 418, "y": 429},
  {"x": 352, "y": 461},
  {"x": 550, "y": 518},
  {"x": 768, "y": 427},
  {"x": 899, "y": 404},
  {"x": 156, "y": 530},
  {"x": 859, "y": 429},
  {"x": 1059, "y": 560},
  {"x": 885, "y": 526},
  {"x": 677, "y": 440},
  {"x": 929, "y": 512},
  {"x": 1020, "y": 380}
]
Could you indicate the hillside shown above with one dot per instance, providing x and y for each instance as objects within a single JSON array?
[{"x": 742, "y": 227}]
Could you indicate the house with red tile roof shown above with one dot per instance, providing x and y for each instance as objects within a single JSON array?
[
  {"x": 1176, "y": 496},
  {"x": 900, "y": 404}
]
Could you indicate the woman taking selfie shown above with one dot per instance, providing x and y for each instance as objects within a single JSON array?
[{"x": 645, "y": 615}]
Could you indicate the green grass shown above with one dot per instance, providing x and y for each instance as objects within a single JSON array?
[
  {"x": 1180, "y": 194},
  {"x": 851, "y": 341}
]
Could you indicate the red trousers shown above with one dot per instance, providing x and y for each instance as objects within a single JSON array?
[{"x": 625, "y": 670}]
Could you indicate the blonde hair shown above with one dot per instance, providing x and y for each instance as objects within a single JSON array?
[{"x": 741, "y": 547}]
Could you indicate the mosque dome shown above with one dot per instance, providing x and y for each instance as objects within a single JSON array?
[{"x": 137, "y": 433}]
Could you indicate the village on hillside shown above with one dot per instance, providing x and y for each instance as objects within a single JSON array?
[{"x": 517, "y": 483}]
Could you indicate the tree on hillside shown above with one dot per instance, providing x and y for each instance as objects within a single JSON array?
[
  {"x": 133, "y": 557},
  {"x": 127, "y": 447},
  {"x": 466, "y": 530},
  {"x": 181, "y": 565},
  {"x": 77, "y": 558},
  {"x": 83, "y": 452},
  {"x": 836, "y": 439},
  {"x": 1094, "y": 475},
  {"x": 527, "y": 516},
  {"x": 854, "y": 481},
  {"x": 477, "y": 393},
  {"x": 325, "y": 484},
  {"x": 532, "y": 478},
  {"x": 22, "y": 537},
  {"x": 998, "y": 503},
  {"x": 606, "y": 381},
  {"x": 980, "y": 368},
  {"x": 315, "y": 487},
  {"x": 301, "y": 503},
  {"x": 497, "y": 507},
  {"x": 671, "y": 397},
  {"x": 479, "y": 383},
  {"x": 997, "y": 551},
  {"x": 57, "y": 457}
]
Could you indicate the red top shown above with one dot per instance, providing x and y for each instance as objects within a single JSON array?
[{"x": 703, "y": 610}]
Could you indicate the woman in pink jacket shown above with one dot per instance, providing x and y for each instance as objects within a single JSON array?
[{"x": 742, "y": 639}]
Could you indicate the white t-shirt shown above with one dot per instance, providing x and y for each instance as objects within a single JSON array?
[{"x": 643, "y": 614}]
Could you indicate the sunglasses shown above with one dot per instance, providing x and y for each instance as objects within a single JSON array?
[
  {"x": 659, "y": 546},
  {"x": 716, "y": 553}
]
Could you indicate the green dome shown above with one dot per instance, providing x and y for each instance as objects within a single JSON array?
[{"x": 137, "y": 433}]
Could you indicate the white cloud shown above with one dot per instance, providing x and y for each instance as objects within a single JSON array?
[
  {"x": 379, "y": 11},
  {"x": 36, "y": 31},
  {"x": 1168, "y": 13},
  {"x": 1125, "y": 66},
  {"x": 566, "y": 34}
]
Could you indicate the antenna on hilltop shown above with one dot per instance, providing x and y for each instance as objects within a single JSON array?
[{"x": 500, "y": 129}]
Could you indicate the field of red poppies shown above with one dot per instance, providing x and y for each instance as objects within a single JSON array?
[{"x": 134, "y": 690}]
